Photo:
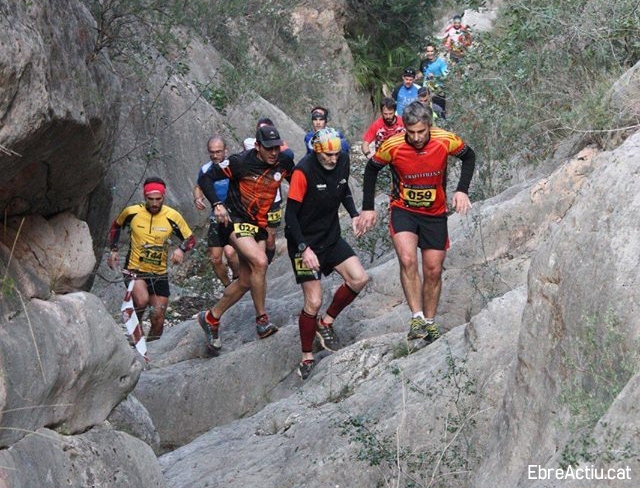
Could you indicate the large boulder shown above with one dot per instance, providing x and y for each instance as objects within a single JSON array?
[
  {"x": 57, "y": 253},
  {"x": 99, "y": 457},
  {"x": 64, "y": 364},
  {"x": 131, "y": 417}
]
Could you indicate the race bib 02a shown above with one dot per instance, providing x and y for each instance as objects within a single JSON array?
[{"x": 244, "y": 229}]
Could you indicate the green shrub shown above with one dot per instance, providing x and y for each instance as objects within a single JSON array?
[{"x": 540, "y": 77}]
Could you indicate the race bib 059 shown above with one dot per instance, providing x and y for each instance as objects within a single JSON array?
[{"x": 419, "y": 196}]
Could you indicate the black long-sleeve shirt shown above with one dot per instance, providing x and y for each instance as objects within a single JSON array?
[{"x": 314, "y": 199}]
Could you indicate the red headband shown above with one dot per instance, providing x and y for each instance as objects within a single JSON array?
[{"x": 152, "y": 187}]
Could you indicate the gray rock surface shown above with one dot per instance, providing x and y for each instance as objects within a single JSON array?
[
  {"x": 65, "y": 364},
  {"x": 530, "y": 274},
  {"x": 58, "y": 252},
  {"x": 359, "y": 405},
  {"x": 100, "y": 457},
  {"x": 132, "y": 417},
  {"x": 59, "y": 106},
  {"x": 585, "y": 272}
]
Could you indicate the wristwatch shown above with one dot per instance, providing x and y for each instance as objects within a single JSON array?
[{"x": 302, "y": 247}]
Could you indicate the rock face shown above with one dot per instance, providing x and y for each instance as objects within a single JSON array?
[
  {"x": 540, "y": 303},
  {"x": 585, "y": 273},
  {"x": 343, "y": 426},
  {"x": 100, "y": 457},
  {"x": 58, "y": 252},
  {"x": 492, "y": 248},
  {"x": 59, "y": 106}
]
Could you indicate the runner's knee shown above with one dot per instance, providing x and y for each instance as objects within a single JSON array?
[
  {"x": 312, "y": 304},
  {"x": 433, "y": 272},
  {"x": 408, "y": 260},
  {"x": 157, "y": 310},
  {"x": 259, "y": 262},
  {"x": 358, "y": 281}
]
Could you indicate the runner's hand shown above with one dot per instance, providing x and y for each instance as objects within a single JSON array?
[
  {"x": 461, "y": 202},
  {"x": 355, "y": 227},
  {"x": 366, "y": 220},
  {"x": 310, "y": 259},
  {"x": 199, "y": 203},
  {"x": 177, "y": 256},
  {"x": 113, "y": 261},
  {"x": 221, "y": 214}
]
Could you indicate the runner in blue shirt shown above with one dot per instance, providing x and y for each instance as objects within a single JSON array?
[{"x": 407, "y": 91}]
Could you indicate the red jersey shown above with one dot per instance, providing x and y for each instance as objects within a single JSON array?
[
  {"x": 418, "y": 174},
  {"x": 379, "y": 132}
]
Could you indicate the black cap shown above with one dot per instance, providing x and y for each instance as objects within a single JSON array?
[
  {"x": 409, "y": 72},
  {"x": 268, "y": 136},
  {"x": 318, "y": 115}
]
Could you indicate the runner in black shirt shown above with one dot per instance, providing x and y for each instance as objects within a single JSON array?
[
  {"x": 320, "y": 183},
  {"x": 254, "y": 179}
]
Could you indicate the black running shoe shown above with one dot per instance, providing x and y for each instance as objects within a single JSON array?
[
  {"x": 328, "y": 338},
  {"x": 305, "y": 368}
]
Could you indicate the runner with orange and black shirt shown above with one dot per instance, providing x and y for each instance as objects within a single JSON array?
[
  {"x": 255, "y": 177},
  {"x": 418, "y": 162}
]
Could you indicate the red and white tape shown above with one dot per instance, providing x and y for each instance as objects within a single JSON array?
[{"x": 134, "y": 328}]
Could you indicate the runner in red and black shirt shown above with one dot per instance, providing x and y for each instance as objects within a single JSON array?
[
  {"x": 254, "y": 179},
  {"x": 387, "y": 125},
  {"x": 418, "y": 162},
  {"x": 320, "y": 184}
]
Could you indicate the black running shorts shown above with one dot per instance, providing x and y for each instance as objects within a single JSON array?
[
  {"x": 329, "y": 258},
  {"x": 157, "y": 284},
  {"x": 432, "y": 232},
  {"x": 216, "y": 237}
]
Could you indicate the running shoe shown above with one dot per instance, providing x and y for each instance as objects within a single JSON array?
[
  {"x": 211, "y": 331},
  {"x": 433, "y": 333},
  {"x": 417, "y": 329},
  {"x": 328, "y": 338},
  {"x": 305, "y": 368},
  {"x": 264, "y": 328}
]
